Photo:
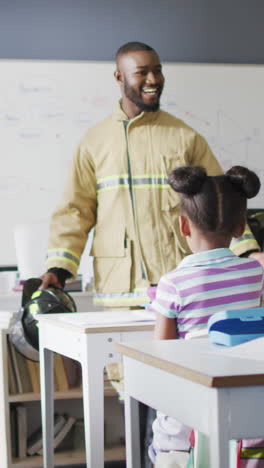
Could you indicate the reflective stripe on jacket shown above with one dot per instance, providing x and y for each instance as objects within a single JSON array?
[{"x": 118, "y": 183}]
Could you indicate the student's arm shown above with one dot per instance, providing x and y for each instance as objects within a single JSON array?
[
  {"x": 165, "y": 298},
  {"x": 259, "y": 256},
  {"x": 165, "y": 328},
  {"x": 262, "y": 291}
]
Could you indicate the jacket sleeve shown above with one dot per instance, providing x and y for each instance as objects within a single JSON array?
[
  {"x": 245, "y": 243},
  {"x": 201, "y": 155},
  {"x": 76, "y": 215}
]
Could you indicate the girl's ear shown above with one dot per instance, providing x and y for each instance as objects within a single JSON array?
[
  {"x": 184, "y": 226},
  {"x": 240, "y": 229}
]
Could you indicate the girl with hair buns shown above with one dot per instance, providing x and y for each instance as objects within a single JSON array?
[{"x": 212, "y": 212}]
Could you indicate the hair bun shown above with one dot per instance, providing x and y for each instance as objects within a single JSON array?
[
  {"x": 187, "y": 179},
  {"x": 245, "y": 180}
]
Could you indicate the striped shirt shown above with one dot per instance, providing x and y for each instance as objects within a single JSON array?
[{"x": 205, "y": 283}]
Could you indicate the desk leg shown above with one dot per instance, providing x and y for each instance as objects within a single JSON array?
[
  {"x": 47, "y": 405},
  {"x": 132, "y": 432},
  {"x": 218, "y": 429},
  {"x": 5, "y": 445},
  {"x": 93, "y": 403}
]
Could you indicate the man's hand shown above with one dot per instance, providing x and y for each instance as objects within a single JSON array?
[
  {"x": 259, "y": 256},
  {"x": 50, "y": 279}
]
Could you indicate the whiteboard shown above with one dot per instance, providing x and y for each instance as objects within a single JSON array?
[{"x": 46, "y": 107}]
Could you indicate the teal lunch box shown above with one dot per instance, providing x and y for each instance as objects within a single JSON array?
[{"x": 232, "y": 327}]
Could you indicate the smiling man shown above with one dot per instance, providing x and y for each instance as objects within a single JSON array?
[{"x": 118, "y": 184}]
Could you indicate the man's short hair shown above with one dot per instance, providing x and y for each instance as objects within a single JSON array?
[{"x": 132, "y": 47}]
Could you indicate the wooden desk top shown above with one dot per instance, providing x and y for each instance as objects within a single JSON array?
[
  {"x": 197, "y": 360},
  {"x": 101, "y": 322}
]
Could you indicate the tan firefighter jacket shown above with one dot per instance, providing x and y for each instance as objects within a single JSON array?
[{"x": 118, "y": 183}]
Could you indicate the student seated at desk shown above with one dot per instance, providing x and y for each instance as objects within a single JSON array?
[{"x": 213, "y": 278}]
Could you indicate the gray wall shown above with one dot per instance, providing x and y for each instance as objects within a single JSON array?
[{"x": 181, "y": 30}]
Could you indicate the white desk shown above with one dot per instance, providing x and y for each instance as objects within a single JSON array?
[
  {"x": 197, "y": 383},
  {"x": 84, "y": 337}
]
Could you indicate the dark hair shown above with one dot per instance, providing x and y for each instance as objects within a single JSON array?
[
  {"x": 215, "y": 204},
  {"x": 132, "y": 47}
]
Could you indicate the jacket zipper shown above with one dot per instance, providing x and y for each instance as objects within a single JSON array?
[{"x": 130, "y": 183}]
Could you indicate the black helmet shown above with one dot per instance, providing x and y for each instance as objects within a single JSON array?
[{"x": 23, "y": 331}]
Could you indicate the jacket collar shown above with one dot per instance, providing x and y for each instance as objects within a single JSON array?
[{"x": 145, "y": 117}]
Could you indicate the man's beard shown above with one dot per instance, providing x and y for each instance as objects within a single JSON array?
[{"x": 134, "y": 97}]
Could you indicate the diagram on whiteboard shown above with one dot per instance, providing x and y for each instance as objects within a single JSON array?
[{"x": 230, "y": 142}]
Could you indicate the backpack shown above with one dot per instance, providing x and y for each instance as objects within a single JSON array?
[
  {"x": 246, "y": 453},
  {"x": 255, "y": 221},
  {"x": 250, "y": 453}
]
